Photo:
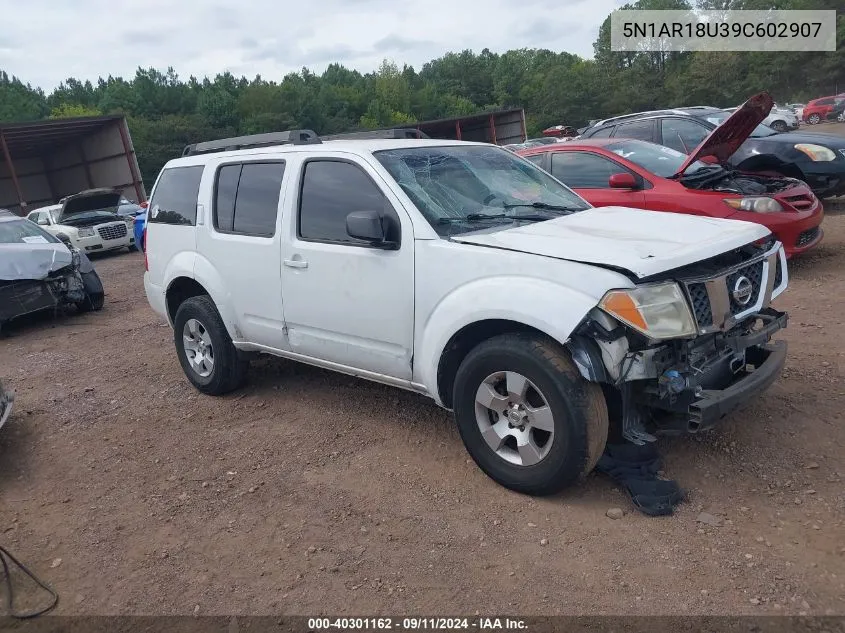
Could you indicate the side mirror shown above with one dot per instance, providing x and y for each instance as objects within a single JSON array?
[
  {"x": 622, "y": 181},
  {"x": 366, "y": 225}
]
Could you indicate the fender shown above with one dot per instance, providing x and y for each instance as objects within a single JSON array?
[
  {"x": 551, "y": 308},
  {"x": 207, "y": 276}
]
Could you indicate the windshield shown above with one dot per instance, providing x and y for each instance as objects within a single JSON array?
[
  {"x": 659, "y": 160},
  {"x": 456, "y": 187},
  {"x": 24, "y": 232},
  {"x": 717, "y": 118}
]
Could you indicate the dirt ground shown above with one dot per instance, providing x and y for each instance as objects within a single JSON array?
[{"x": 314, "y": 493}]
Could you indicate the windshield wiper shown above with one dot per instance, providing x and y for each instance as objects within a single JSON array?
[
  {"x": 543, "y": 205},
  {"x": 480, "y": 217}
]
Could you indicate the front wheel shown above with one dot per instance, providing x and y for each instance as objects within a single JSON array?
[
  {"x": 779, "y": 126},
  {"x": 527, "y": 417},
  {"x": 95, "y": 296},
  {"x": 209, "y": 359},
  {"x": 814, "y": 119}
]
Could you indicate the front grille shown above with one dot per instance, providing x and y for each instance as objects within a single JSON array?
[
  {"x": 807, "y": 236},
  {"x": 754, "y": 273},
  {"x": 800, "y": 202},
  {"x": 112, "y": 231},
  {"x": 719, "y": 300},
  {"x": 700, "y": 304}
]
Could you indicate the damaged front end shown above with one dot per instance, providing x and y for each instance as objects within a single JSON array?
[
  {"x": 53, "y": 284},
  {"x": 721, "y": 357},
  {"x": 6, "y": 400}
]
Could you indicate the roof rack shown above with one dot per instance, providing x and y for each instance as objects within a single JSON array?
[
  {"x": 290, "y": 137},
  {"x": 614, "y": 119},
  {"x": 377, "y": 134}
]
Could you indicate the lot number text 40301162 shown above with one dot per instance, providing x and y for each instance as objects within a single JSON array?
[{"x": 416, "y": 624}]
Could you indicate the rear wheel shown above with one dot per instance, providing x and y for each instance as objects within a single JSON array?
[
  {"x": 814, "y": 119},
  {"x": 526, "y": 416},
  {"x": 209, "y": 359}
]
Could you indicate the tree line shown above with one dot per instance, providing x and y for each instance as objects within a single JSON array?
[{"x": 166, "y": 112}]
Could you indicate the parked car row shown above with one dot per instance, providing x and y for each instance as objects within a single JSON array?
[{"x": 615, "y": 169}]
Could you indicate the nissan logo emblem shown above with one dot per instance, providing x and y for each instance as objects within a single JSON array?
[{"x": 742, "y": 291}]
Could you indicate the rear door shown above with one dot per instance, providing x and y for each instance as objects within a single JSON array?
[
  {"x": 589, "y": 175},
  {"x": 240, "y": 238}
]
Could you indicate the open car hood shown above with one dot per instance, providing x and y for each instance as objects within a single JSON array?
[
  {"x": 722, "y": 142},
  {"x": 644, "y": 243},
  {"x": 90, "y": 200}
]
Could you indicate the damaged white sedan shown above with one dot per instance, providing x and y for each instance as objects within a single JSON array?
[{"x": 38, "y": 272}]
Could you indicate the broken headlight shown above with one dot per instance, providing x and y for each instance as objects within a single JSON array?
[
  {"x": 756, "y": 204},
  {"x": 658, "y": 311},
  {"x": 75, "y": 259}
]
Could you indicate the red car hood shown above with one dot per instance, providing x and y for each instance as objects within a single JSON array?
[{"x": 726, "y": 139}]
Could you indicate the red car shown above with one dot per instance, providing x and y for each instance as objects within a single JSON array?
[
  {"x": 819, "y": 110},
  {"x": 633, "y": 173}
]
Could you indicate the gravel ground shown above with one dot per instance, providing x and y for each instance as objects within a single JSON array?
[{"x": 308, "y": 492}]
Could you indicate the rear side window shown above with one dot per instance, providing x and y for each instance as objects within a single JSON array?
[
  {"x": 683, "y": 135},
  {"x": 331, "y": 190},
  {"x": 537, "y": 159},
  {"x": 246, "y": 198},
  {"x": 642, "y": 130},
  {"x": 175, "y": 198}
]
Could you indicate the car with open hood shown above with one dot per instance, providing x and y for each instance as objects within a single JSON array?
[
  {"x": 39, "y": 272},
  {"x": 463, "y": 272},
  {"x": 634, "y": 173},
  {"x": 816, "y": 158},
  {"x": 89, "y": 220}
]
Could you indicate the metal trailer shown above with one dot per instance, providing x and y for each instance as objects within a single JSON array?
[{"x": 44, "y": 161}]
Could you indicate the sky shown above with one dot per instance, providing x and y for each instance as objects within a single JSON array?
[{"x": 51, "y": 41}]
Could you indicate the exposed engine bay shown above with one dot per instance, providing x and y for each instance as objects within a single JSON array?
[{"x": 732, "y": 181}]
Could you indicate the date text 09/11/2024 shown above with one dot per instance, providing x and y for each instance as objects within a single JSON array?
[{"x": 415, "y": 623}]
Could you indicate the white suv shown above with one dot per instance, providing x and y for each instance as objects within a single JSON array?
[{"x": 463, "y": 272}]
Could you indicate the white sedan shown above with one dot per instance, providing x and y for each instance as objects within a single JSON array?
[{"x": 88, "y": 220}]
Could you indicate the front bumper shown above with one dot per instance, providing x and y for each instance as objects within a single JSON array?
[
  {"x": 743, "y": 367},
  {"x": 825, "y": 178},
  {"x": 713, "y": 405}
]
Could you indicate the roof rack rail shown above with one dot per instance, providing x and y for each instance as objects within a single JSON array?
[
  {"x": 377, "y": 134},
  {"x": 290, "y": 137}
]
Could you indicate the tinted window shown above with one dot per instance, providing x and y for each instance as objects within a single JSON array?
[
  {"x": 224, "y": 198},
  {"x": 175, "y": 197},
  {"x": 603, "y": 133},
  {"x": 827, "y": 101},
  {"x": 642, "y": 130},
  {"x": 583, "y": 170},
  {"x": 537, "y": 159},
  {"x": 331, "y": 190},
  {"x": 683, "y": 135}
]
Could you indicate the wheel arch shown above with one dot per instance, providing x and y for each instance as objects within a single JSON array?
[{"x": 451, "y": 331}]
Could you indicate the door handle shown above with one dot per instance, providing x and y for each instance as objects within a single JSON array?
[{"x": 296, "y": 263}]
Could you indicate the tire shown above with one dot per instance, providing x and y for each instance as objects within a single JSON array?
[
  {"x": 814, "y": 119},
  {"x": 779, "y": 126},
  {"x": 95, "y": 296},
  {"x": 578, "y": 414},
  {"x": 227, "y": 370}
]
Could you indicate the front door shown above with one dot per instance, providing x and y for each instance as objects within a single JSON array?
[
  {"x": 589, "y": 175},
  {"x": 346, "y": 301}
]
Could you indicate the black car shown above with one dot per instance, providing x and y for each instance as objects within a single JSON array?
[
  {"x": 40, "y": 272},
  {"x": 817, "y": 159}
]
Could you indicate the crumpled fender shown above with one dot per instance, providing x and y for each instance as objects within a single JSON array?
[{"x": 551, "y": 308}]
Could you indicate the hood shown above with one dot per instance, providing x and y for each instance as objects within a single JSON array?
[
  {"x": 32, "y": 261},
  {"x": 644, "y": 243},
  {"x": 833, "y": 141},
  {"x": 91, "y": 200},
  {"x": 722, "y": 142}
]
